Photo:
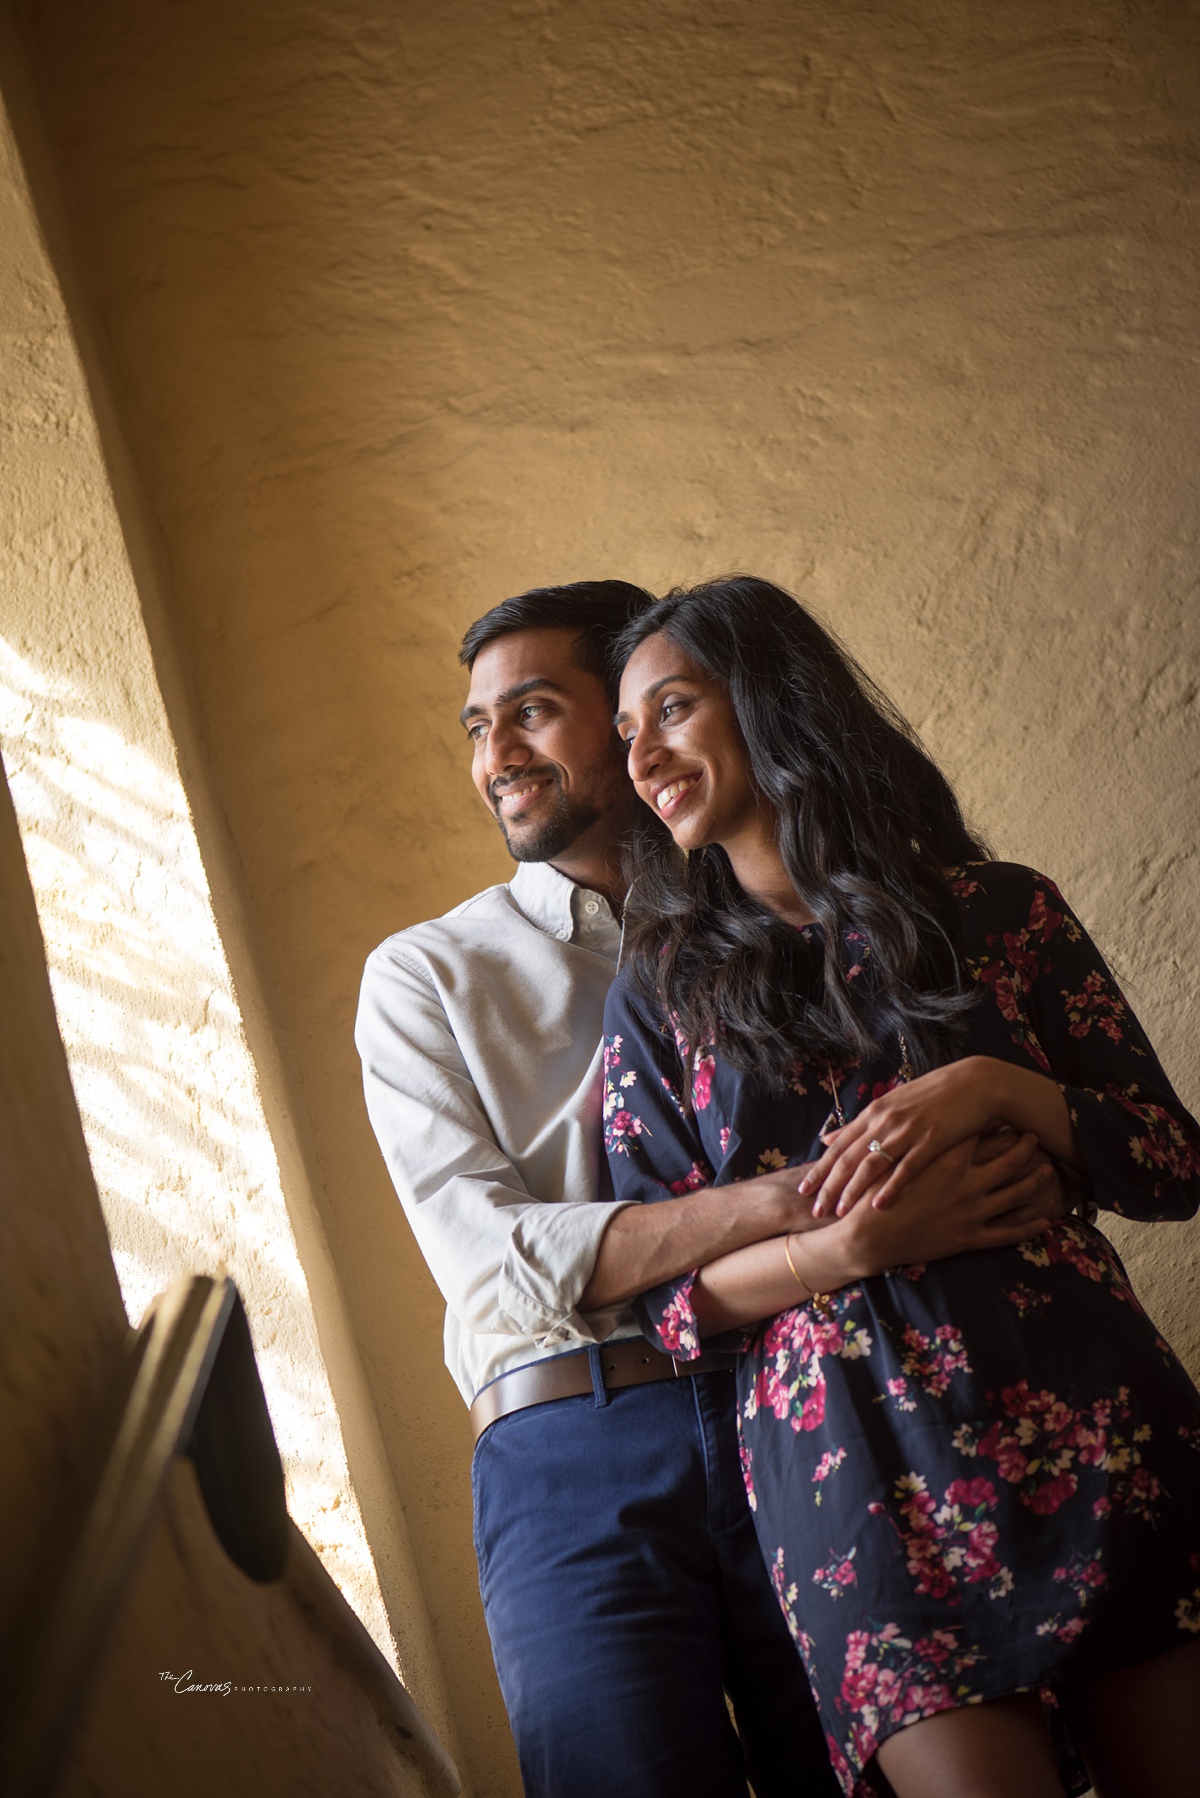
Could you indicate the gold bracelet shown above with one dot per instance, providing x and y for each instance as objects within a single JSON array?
[
  {"x": 819, "y": 1299},
  {"x": 787, "y": 1249}
]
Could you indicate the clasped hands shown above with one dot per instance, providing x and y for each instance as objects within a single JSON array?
[{"x": 890, "y": 1143}]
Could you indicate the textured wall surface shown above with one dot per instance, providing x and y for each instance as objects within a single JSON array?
[
  {"x": 185, "y": 1165},
  {"x": 61, "y": 1322},
  {"x": 410, "y": 307}
]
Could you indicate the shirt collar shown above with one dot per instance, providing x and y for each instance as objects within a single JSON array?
[{"x": 544, "y": 895}]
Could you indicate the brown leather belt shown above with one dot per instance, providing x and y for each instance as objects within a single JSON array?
[{"x": 628, "y": 1363}]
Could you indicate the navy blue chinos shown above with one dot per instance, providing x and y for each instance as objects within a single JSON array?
[{"x": 625, "y": 1595}]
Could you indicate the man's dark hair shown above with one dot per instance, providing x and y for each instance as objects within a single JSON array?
[{"x": 595, "y": 612}]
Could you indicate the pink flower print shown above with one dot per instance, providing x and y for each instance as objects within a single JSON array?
[
  {"x": 1187, "y": 1611},
  {"x": 1044, "y": 920},
  {"x": 898, "y": 1389},
  {"x": 838, "y": 1575},
  {"x": 695, "y": 1178},
  {"x": 620, "y": 1130},
  {"x": 786, "y": 1592},
  {"x": 677, "y": 1329},
  {"x": 1086, "y": 1577},
  {"x": 723, "y": 1138},
  {"x": 1040, "y": 1444},
  {"x": 829, "y": 1463},
  {"x": 1162, "y": 1145},
  {"x": 1095, "y": 1004},
  {"x": 704, "y": 1067},
  {"x": 1008, "y": 988},
  {"x": 889, "y": 1680},
  {"x": 948, "y": 1542},
  {"x": 671, "y": 1093},
  {"x": 932, "y": 1361},
  {"x": 1023, "y": 1298},
  {"x": 747, "y": 1462},
  {"x": 963, "y": 887},
  {"x": 790, "y": 1382},
  {"x": 621, "y": 1126}
]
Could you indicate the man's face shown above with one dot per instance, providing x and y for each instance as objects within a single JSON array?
[{"x": 546, "y": 760}]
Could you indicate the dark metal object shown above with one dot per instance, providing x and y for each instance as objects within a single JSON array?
[{"x": 189, "y": 1385}]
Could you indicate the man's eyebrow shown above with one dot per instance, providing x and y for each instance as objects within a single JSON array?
[
  {"x": 538, "y": 684},
  {"x": 649, "y": 692}
]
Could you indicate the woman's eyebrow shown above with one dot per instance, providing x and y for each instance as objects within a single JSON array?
[{"x": 649, "y": 692}]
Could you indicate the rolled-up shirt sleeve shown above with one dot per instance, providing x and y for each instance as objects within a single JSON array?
[{"x": 507, "y": 1261}]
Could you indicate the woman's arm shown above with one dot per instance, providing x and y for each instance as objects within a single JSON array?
[
  {"x": 647, "y": 1244},
  {"x": 950, "y": 1208},
  {"x": 1136, "y": 1143}
]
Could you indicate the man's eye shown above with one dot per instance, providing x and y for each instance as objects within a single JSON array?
[
  {"x": 477, "y": 732},
  {"x": 531, "y": 711}
]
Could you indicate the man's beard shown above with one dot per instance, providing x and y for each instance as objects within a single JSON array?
[{"x": 554, "y": 836}]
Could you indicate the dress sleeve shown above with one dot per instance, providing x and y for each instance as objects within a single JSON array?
[
  {"x": 653, "y": 1147},
  {"x": 1141, "y": 1146}
]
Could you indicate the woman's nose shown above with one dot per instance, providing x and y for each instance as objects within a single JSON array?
[{"x": 646, "y": 753}]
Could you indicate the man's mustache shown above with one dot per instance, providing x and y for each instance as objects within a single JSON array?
[{"x": 498, "y": 788}]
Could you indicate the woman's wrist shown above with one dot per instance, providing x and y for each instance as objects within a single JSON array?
[{"x": 814, "y": 1267}]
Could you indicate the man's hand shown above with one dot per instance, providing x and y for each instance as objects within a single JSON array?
[{"x": 647, "y": 1244}]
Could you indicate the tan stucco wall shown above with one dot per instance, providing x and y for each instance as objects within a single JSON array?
[
  {"x": 172, "y": 1106},
  {"x": 186, "y": 1609},
  {"x": 407, "y": 308}
]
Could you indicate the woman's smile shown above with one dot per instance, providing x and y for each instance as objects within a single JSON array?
[{"x": 687, "y": 757}]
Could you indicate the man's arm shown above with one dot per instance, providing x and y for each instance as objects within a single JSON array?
[
  {"x": 955, "y": 1205},
  {"x": 957, "y": 1208},
  {"x": 507, "y": 1261}
]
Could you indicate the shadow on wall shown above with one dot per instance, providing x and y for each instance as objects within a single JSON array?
[{"x": 164, "y": 1082}]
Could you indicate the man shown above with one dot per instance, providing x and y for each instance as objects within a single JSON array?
[{"x": 622, "y": 1583}]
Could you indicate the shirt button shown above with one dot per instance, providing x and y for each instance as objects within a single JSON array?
[{"x": 591, "y": 908}]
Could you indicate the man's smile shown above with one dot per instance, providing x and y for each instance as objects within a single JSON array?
[{"x": 511, "y": 798}]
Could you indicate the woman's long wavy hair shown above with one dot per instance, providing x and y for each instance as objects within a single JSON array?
[{"x": 866, "y": 824}]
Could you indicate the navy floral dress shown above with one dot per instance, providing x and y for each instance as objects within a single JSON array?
[{"x": 976, "y": 1477}]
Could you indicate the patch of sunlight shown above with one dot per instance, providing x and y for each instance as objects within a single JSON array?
[{"x": 164, "y": 1081}]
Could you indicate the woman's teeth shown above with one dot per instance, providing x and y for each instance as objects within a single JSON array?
[{"x": 665, "y": 795}]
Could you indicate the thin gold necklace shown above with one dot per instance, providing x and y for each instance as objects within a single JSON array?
[{"x": 906, "y": 1075}]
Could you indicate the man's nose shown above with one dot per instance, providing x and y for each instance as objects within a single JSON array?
[{"x": 506, "y": 749}]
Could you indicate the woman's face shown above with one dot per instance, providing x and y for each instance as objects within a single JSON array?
[{"x": 687, "y": 757}]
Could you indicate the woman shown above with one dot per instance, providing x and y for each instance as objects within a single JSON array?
[{"x": 978, "y": 1483}]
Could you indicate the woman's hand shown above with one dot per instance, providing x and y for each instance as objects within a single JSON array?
[
  {"x": 975, "y": 1196},
  {"x": 959, "y": 1203},
  {"x": 894, "y": 1137}
]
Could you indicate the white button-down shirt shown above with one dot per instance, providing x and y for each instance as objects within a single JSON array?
[{"x": 480, "y": 1036}]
